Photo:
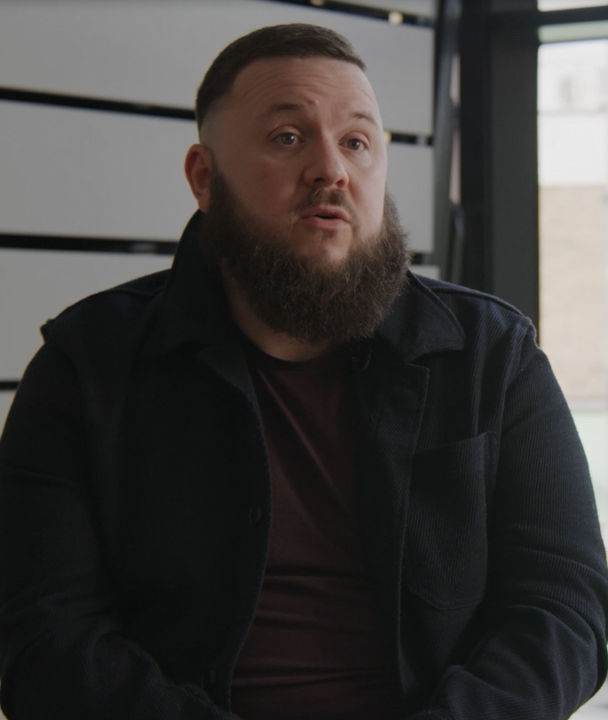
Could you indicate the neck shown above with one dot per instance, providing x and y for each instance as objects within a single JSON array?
[{"x": 278, "y": 345}]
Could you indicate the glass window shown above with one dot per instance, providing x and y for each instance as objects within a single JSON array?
[
  {"x": 573, "y": 192},
  {"x": 568, "y": 4}
]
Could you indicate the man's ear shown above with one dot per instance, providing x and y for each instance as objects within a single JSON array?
[{"x": 197, "y": 167}]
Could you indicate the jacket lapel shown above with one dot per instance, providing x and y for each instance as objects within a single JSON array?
[{"x": 194, "y": 311}]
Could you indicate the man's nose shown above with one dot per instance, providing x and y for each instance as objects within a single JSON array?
[{"x": 325, "y": 167}]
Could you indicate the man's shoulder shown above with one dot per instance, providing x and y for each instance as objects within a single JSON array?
[
  {"x": 472, "y": 308},
  {"x": 459, "y": 294},
  {"x": 116, "y": 311}
]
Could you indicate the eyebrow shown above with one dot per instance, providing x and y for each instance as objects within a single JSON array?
[{"x": 282, "y": 107}]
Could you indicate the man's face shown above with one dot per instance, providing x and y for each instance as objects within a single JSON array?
[{"x": 299, "y": 141}]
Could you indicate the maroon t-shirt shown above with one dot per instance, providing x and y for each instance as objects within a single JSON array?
[{"x": 315, "y": 650}]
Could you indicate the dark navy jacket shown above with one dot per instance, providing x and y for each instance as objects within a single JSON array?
[{"x": 135, "y": 509}]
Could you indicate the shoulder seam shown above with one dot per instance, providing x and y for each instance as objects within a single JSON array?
[
  {"x": 459, "y": 290},
  {"x": 122, "y": 289}
]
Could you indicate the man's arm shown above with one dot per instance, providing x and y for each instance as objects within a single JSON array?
[
  {"x": 543, "y": 652},
  {"x": 61, "y": 648}
]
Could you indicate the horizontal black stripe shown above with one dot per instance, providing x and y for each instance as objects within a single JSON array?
[
  {"x": 411, "y": 139},
  {"x": 95, "y": 103},
  {"x": 417, "y": 258},
  {"x": 531, "y": 19},
  {"x": 117, "y": 106},
  {"x": 86, "y": 244},
  {"x": 370, "y": 12}
]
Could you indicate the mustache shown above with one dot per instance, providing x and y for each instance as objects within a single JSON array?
[{"x": 321, "y": 196}]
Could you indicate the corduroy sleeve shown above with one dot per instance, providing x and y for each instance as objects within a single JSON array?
[
  {"x": 543, "y": 652},
  {"x": 62, "y": 653}
]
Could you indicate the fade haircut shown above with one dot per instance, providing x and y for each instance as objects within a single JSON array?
[{"x": 293, "y": 40}]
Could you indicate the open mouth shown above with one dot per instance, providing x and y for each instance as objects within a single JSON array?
[
  {"x": 336, "y": 215},
  {"x": 327, "y": 221}
]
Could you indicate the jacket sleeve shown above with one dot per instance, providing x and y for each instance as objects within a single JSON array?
[
  {"x": 61, "y": 650},
  {"x": 543, "y": 650}
]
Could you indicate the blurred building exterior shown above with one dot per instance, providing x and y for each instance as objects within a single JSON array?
[{"x": 573, "y": 177}]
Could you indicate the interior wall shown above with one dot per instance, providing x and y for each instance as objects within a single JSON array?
[{"x": 69, "y": 175}]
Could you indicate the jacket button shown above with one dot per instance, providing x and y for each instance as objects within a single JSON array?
[{"x": 255, "y": 515}]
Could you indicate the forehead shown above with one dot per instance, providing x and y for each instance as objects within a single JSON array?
[{"x": 316, "y": 84}]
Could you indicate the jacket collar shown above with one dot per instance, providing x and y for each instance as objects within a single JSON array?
[
  {"x": 194, "y": 309},
  {"x": 419, "y": 323}
]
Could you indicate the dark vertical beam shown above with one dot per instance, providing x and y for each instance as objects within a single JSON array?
[
  {"x": 499, "y": 154},
  {"x": 475, "y": 131},
  {"x": 515, "y": 254},
  {"x": 446, "y": 47}
]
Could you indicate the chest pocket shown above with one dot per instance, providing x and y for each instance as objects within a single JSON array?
[{"x": 446, "y": 549}]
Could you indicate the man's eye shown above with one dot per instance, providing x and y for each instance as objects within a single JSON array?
[
  {"x": 355, "y": 144},
  {"x": 287, "y": 138}
]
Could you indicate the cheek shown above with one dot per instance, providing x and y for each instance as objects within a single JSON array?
[
  {"x": 373, "y": 204},
  {"x": 367, "y": 185},
  {"x": 263, "y": 187}
]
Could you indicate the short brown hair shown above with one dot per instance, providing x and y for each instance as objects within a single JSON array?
[{"x": 292, "y": 40}]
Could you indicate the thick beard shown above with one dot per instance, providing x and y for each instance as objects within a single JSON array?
[{"x": 309, "y": 302}]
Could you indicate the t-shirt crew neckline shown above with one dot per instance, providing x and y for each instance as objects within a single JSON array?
[{"x": 333, "y": 356}]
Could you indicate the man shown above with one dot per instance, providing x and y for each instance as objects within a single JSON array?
[{"x": 287, "y": 479}]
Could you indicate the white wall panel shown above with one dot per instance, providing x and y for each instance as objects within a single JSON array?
[
  {"x": 37, "y": 285},
  {"x": 157, "y": 52},
  {"x": 77, "y": 172},
  {"x": 6, "y": 398},
  {"x": 82, "y": 173},
  {"x": 572, "y": 149},
  {"x": 430, "y": 271},
  {"x": 410, "y": 181}
]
